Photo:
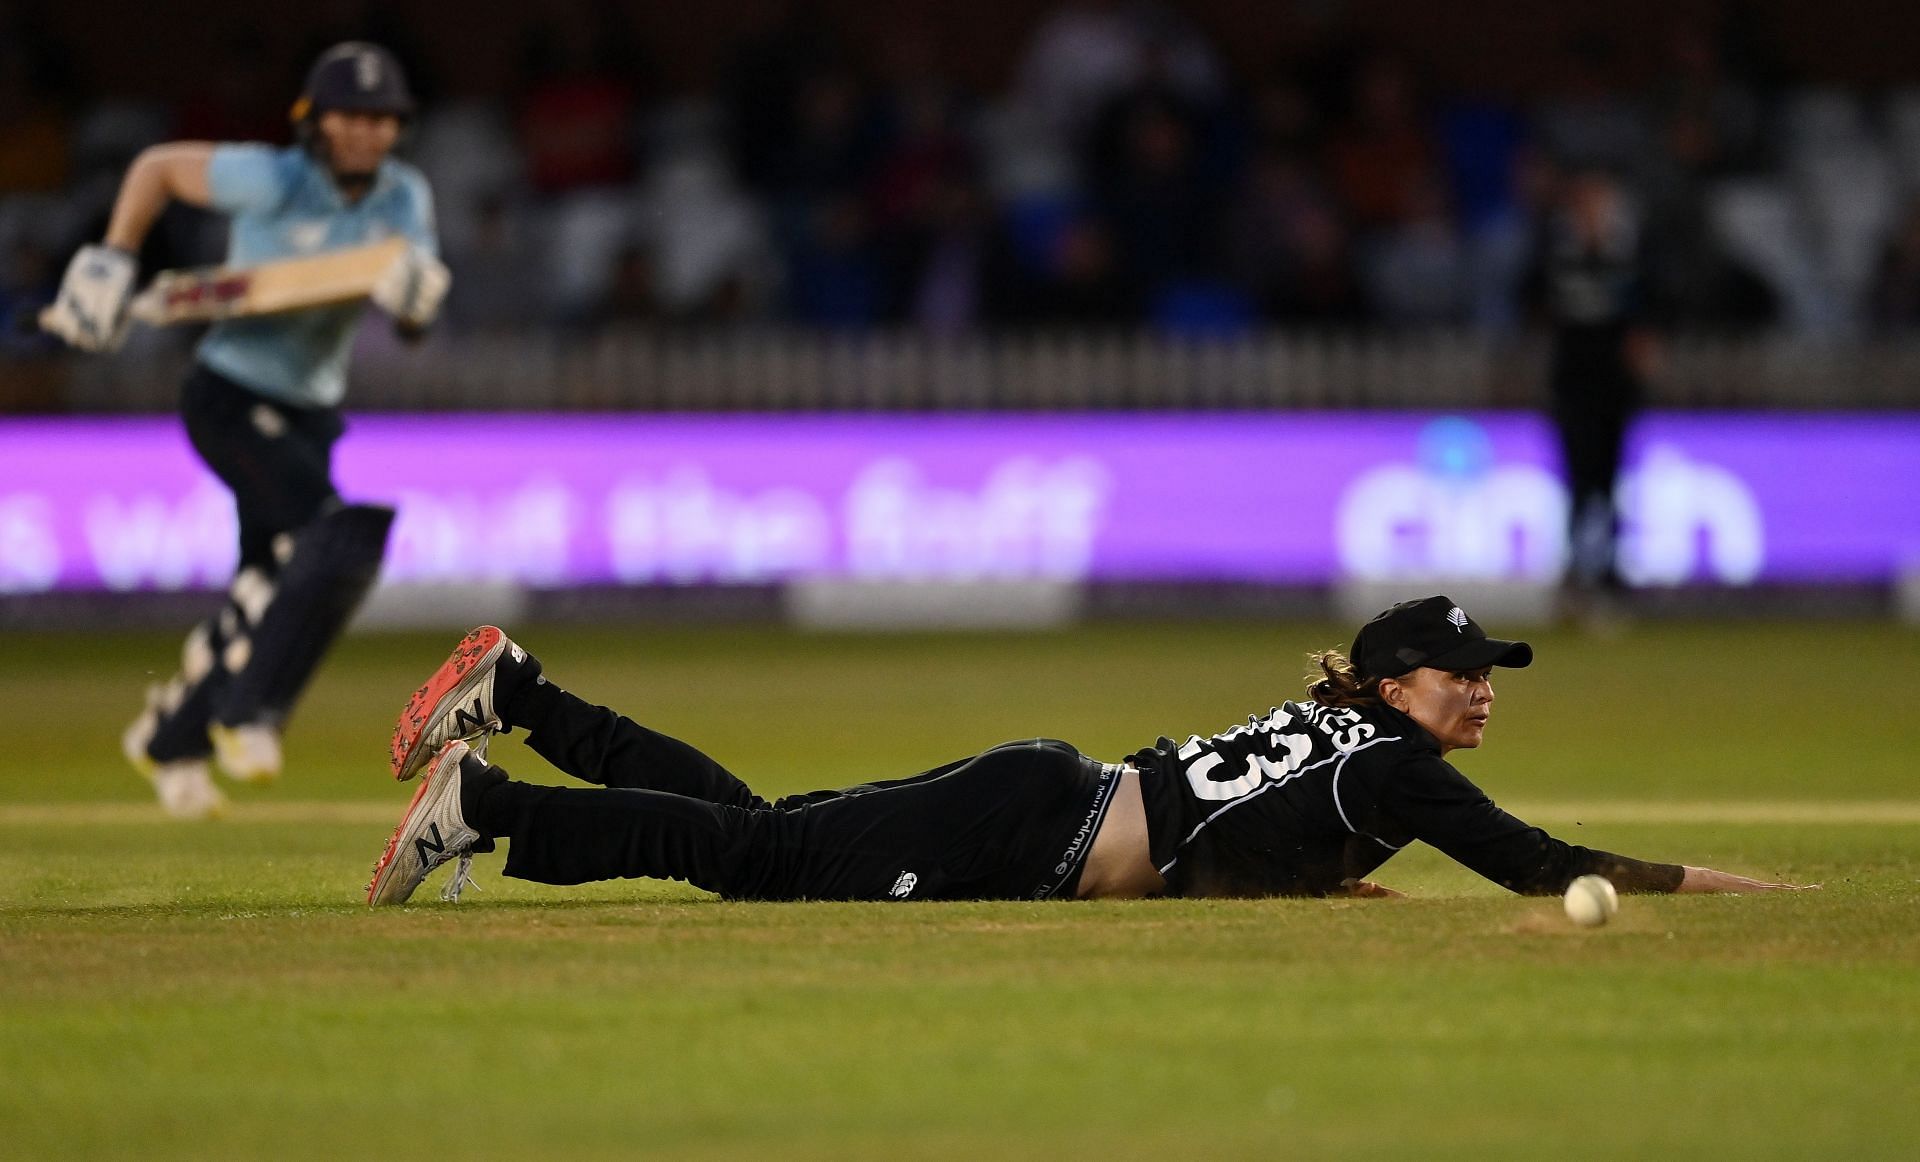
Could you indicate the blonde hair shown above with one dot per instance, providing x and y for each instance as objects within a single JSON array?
[{"x": 1338, "y": 684}]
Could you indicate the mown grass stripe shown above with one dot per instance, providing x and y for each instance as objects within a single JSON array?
[{"x": 1638, "y": 812}]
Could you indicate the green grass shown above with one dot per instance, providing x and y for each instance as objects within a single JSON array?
[{"x": 175, "y": 991}]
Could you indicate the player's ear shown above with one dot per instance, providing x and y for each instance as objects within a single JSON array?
[{"x": 1394, "y": 694}]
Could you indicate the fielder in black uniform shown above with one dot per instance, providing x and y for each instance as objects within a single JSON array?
[
  {"x": 1308, "y": 800},
  {"x": 1592, "y": 286}
]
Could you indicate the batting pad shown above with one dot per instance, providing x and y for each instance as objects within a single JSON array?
[{"x": 334, "y": 563}]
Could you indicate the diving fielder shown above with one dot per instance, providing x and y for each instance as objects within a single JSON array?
[
  {"x": 261, "y": 405},
  {"x": 1307, "y": 800}
]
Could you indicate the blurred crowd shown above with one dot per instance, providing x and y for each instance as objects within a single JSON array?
[{"x": 1124, "y": 176}]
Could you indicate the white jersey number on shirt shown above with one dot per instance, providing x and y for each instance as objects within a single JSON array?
[{"x": 1262, "y": 750}]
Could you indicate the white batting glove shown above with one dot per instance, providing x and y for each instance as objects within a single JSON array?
[
  {"x": 91, "y": 312},
  {"x": 412, "y": 290}
]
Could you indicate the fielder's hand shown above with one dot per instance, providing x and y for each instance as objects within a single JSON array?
[
  {"x": 1705, "y": 879},
  {"x": 91, "y": 312},
  {"x": 412, "y": 290},
  {"x": 1368, "y": 890}
]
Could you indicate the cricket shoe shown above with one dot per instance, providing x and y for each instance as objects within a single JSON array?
[
  {"x": 460, "y": 700},
  {"x": 186, "y": 790},
  {"x": 249, "y": 753},
  {"x": 185, "y": 786},
  {"x": 139, "y": 733},
  {"x": 430, "y": 833}
]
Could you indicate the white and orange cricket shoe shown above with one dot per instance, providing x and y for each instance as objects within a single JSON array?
[
  {"x": 432, "y": 832},
  {"x": 458, "y": 701}
]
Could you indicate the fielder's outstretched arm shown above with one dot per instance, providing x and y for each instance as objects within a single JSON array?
[
  {"x": 1445, "y": 809},
  {"x": 1705, "y": 879}
]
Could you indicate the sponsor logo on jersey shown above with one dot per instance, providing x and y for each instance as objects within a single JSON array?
[
  {"x": 305, "y": 237},
  {"x": 268, "y": 420},
  {"x": 903, "y": 887}
]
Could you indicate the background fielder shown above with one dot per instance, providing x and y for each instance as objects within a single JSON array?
[{"x": 261, "y": 405}]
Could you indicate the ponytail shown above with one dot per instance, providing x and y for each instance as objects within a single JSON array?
[{"x": 1337, "y": 683}]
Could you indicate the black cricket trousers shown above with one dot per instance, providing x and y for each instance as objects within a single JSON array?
[
  {"x": 1013, "y": 822},
  {"x": 276, "y": 459}
]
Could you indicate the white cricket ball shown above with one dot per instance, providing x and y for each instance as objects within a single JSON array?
[{"x": 1591, "y": 901}]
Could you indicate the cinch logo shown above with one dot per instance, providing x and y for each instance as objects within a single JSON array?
[
  {"x": 1459, "y": 511},
  {"x": 903, "y": 887},
  {"x": 1455, "y": 511}
]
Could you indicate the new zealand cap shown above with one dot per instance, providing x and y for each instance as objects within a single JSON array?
[{"x": 1432, "y": 631}]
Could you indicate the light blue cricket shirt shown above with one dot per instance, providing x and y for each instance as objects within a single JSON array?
[{"x": 285, "y": 205}]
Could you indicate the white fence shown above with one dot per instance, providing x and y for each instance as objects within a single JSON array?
[{"x": 808, "y": 371}]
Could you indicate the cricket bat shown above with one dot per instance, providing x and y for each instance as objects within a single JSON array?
[{"x": 210, "y": 293}]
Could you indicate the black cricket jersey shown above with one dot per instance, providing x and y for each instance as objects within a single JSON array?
[{"x": 1301, "y": 801}]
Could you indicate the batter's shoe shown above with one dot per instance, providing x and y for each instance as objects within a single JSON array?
[
  {"x": 184, "y": 787},
  {"x": 430, "y": 833},
  {"x": 139, "y": 733},
  {"x": 186, "y": 790},
  {"x": 460, "y": 700},
  {"x": 246, "y": 754}
]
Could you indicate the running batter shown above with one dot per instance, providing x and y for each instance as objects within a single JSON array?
[
  {"x": 1307, "y": 800},
  {"x": 262, "y": 405}
]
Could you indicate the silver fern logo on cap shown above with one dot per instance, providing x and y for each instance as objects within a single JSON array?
[{"x": 1458, "y": 617}]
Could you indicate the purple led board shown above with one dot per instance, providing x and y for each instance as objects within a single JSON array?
[{"x": 1280, "y": 498}]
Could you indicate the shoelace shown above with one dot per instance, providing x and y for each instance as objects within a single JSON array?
[{"x": 461, "y": 881}]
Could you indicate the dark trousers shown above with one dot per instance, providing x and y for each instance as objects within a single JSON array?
[
  {"x": 1003, "y": 824},
  {"x": 277, "y": 460},
  {"x": 1593, "y": 409}
]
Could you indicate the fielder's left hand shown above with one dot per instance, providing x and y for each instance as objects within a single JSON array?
[
  {"x": 1368, "y": 890},
  {"x": 1706, "y": 879}
]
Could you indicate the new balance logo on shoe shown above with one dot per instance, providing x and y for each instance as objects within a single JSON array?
[
  {"x": 903, "y": 887},
  {"x": 469, "y": 722},
  {"x": 426, "y": 850}
]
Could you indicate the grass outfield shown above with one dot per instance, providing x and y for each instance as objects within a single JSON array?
[{"x": 183, "y": 991}]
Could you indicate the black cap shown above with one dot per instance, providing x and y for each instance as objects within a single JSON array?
[
  {"x": 355, "y": 77},
  {"x": 1432, "y": 631}
]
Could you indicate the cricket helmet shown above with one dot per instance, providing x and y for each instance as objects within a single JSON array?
[{"x": 358, "y": 77}]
